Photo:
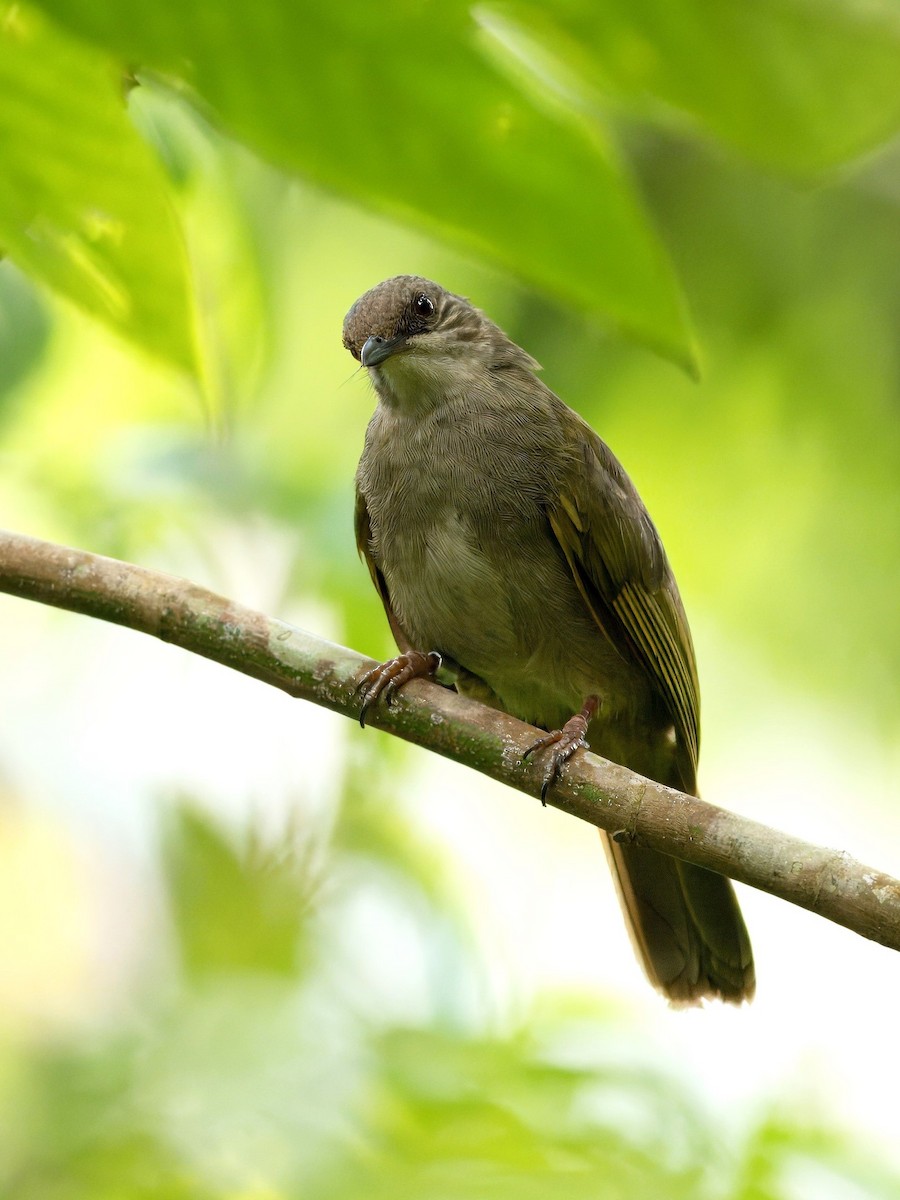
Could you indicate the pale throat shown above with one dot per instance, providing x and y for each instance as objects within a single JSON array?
[{"x": 418, "y": 382}]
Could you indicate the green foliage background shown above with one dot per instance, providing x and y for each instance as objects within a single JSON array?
[{"x": 688, "y": 211}]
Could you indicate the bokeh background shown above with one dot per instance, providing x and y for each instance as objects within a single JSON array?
[{"x": 250, "y": 951}]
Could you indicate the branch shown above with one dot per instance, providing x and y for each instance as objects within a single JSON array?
[{"x": 628, "y": 806}]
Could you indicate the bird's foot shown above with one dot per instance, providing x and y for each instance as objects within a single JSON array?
[
  {"x": 387, "y": 677},
  {"x": 562, "y": 743}
]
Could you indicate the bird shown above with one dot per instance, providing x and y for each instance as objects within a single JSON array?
[{"x": 511, "y": 550}]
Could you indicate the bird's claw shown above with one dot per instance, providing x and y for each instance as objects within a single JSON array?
[
  {"x": 385, "y": 678},
  {"x": 564, "y": 742}
]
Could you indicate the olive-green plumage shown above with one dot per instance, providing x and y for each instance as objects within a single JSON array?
[{"x": 503, "y": 533}]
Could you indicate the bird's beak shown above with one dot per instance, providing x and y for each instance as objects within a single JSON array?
[{"x": 376, "y": 349}]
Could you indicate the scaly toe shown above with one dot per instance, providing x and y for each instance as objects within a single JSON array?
[
  {"x": 385, "y": 678},
  {"x": 563, "y": 743}
]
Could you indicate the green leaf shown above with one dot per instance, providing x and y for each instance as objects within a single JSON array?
[
  {"x": 798, "y": 85},
  {"x": 399, "y": 106},
  {"x": 234, "y": 908},
  {"x": 83, "y": 206}
]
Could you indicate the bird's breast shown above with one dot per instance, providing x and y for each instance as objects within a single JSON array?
[
  {"x": 459, "y": 532},
  {"x": 447, "y": 586},
  {"x": 498, "y": 602}
]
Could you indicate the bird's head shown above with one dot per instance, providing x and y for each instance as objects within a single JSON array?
[{"x": 422, "y": 343}]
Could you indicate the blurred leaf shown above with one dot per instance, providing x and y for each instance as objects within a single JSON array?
[
  {"x": 234, "y": 911},
  {"x": 83, "y": 206},
  {"x": 789, "y": 1153},
  {"x": 24, "y": 328},
  {"x": 217, "y": 180},
  {"x": 471, "y": 1118},
  {"x": 270, "y": 1087},
  {"x": 82, "y": 1136},
  {"x": 397, "y": 106},
  {"x": 796, "y": 85},
  {"x": 784, "y": 524}
]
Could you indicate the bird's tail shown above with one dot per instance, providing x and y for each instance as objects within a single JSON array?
[
  {"x": 685, "y": 925},
  {"x": 684, "y": 921}
]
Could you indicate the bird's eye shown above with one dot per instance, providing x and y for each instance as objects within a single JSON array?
[{"x": 424, "y": 305}]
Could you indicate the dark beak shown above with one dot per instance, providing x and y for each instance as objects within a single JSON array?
[{"x": 377, "y": 349}]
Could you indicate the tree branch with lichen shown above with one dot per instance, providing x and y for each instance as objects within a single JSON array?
[{"x": 827, "y": 882}]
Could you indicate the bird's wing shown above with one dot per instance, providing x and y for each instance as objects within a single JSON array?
[
  {"x": 363, "y": 529},
  {"x": 684, "y": 921},
  {"x": 621, "y": 569}
]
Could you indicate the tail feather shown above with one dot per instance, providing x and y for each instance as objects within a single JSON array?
[{"x": 685, "y": 925}]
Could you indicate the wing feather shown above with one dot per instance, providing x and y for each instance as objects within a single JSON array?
[{"x": 620, "y": 567}]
